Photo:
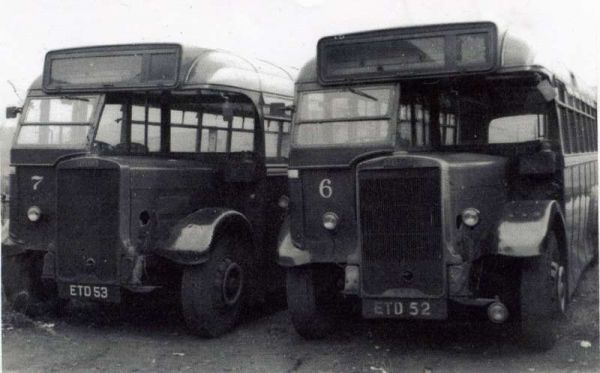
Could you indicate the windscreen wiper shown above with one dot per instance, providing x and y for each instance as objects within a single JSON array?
[
  {"x": 361, "y": 93},
  {"x": 75, "y": 98}
]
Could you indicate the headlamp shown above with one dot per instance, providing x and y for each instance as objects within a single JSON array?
[
  {"x": 470, "y": 217},
  {"x": 34, "y": 213},
  {"x": 330, "y": 220}
]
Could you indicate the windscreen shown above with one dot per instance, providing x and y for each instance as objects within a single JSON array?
[
  {"x": 62, "y": 122},
  {"x": 351, "y": 116},
  {"x": 425, "y": 115}
]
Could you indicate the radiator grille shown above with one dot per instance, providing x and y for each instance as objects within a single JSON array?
[
  {"x": 87, "y": 224},
  {"x": 400, "y": 217}
]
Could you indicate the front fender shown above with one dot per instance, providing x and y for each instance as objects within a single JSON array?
[
  {"x": 191, "y": 240},
  {"x": 524, "y": 225},
  {"x": 9, "y": 246},
  {"x": 289, "y": 255}
]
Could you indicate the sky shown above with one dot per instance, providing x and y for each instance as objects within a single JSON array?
[{"x": 284, "y": 32}]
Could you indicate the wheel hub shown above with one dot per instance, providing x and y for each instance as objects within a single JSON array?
[{"x": 232, "y": 284}]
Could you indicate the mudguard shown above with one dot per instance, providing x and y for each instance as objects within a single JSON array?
[
  {"x": 9, "y": 246},
  {"x": 524, "y": 225},
  {"x": 190, "y": 240},
  {"x": 288, "y": 254}
]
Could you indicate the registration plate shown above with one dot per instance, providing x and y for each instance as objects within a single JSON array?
[
  {"x": 405, "y": 308},
  {"x": 104, "y": 293}
]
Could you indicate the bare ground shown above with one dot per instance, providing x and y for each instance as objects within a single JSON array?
[{"x": 150, "y": 337}]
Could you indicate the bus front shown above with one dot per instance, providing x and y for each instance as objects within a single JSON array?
[
  {"x": 65, "y": 203},
  {"x": 403, "y": 144}
]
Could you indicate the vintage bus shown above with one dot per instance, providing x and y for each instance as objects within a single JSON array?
[
  {"x": 439, "y": 165},
  {"x": 144, "y": 167}
]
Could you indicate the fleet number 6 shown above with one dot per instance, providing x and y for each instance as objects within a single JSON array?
[{"x": 325, "y": 189}]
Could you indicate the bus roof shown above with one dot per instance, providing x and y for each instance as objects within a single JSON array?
[
  {"x": 514, "y": 55},
  {"x": 204, "y": 68}
]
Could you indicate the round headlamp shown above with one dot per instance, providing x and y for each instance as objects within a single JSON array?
[
  {"x": 330, "y": 220},
  {"x": 34, "y": 213},
  {"x": 470, "y": 217}
]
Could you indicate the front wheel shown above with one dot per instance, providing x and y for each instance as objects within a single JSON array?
[
  {"x": 214, "y": 293},
  {"x": 24, "y": 289},
  {"x": 543, "y": 296},
  {"x": 311, "y": 298}
]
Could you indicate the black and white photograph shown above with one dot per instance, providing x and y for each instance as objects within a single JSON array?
[{"x": 299, "y": 186}]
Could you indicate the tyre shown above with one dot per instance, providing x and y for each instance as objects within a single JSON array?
[
  {"x": 312, "y": 301},
  {"x": 543, "y": 296},
  {"x": 213, "y": 293},
  {"x": 24, "y": 289}
]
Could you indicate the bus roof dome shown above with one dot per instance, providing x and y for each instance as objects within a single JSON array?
[{"x": 218, "y": 67}]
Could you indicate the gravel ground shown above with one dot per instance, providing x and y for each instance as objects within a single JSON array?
[{"x": 150, "y": 337}]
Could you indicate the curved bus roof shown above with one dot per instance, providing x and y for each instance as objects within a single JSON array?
[
  {"x": 514, "y": 55},
  {"x": 203, "y": 67}
]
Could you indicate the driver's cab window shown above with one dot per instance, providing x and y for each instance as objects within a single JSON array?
[
  {"x": 145, "y": 126},
  {"x": 110, "y": 128}
]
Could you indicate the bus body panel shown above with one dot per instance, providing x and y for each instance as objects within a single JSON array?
[
  {"x": 580, "y": 201},
  {"x": 34, "y": 186}
]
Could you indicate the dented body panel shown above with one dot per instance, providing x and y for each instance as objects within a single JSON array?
[
  {"x": 191, "y": 238},
  {"x": 524, "y": 225}
]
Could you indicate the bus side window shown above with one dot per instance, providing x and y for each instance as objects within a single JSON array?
[
  {"x": 242, "y": 134},
  {"x": 184, "y": 131},
  {"x": 516, "y": 128},
  {"x": 583, "y": 136},
  {"x": 277, "y": 138},
  {"x": 594, "y": 133},
  {"x": 594, "y": 120},
  {"x": 285, "y": 140},
  {"x": 564, "y": 125},
  {"x": 271, "y": 137},
  {"x": 404, "y": 137},
  {"x": 448, "y": 128},
  {"x": 214, "y": 134}
]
